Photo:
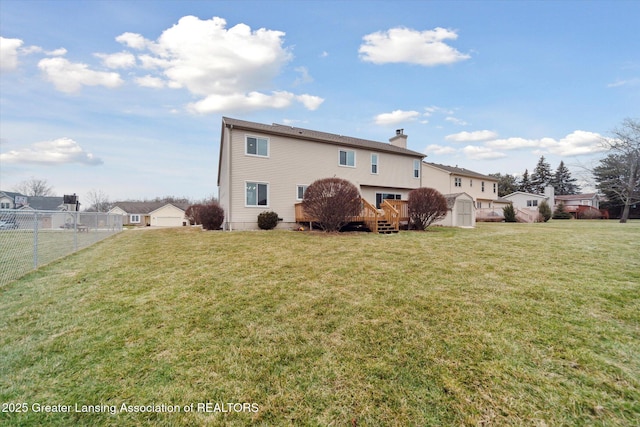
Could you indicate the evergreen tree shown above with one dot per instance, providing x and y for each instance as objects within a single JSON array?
[
  {"x": 507, "y": 184},
  {"x": 562, "y": 181},
  {"x": 545, "y": 211},
  {"x": 541, "y": 176},
  {"x": 509, "y": 213},
  {"x": 525, "y": 183}
]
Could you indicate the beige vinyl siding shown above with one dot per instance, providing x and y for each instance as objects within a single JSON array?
[
  {"x": 167, "y": 216},
  {"x": 444, "y": 182},
  {"x": 438, "y": 179},
  {"x": 294, "y": 162}
]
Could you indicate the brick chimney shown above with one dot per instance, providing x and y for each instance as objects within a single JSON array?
[{"x": 400, "y": 139}]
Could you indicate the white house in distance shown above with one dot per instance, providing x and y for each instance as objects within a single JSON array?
[
  {"x": 268, "y": 167},
  {"x": 482, "y": 189},
  {"x": 157, "y": 214},
  {"x": 526, "y": 204}
]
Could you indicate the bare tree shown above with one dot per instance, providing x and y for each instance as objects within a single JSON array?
[
  {"x": 618, "y": 174},
  {"x": 34, "y": 188},
  {"x": 98, "y": 201}
]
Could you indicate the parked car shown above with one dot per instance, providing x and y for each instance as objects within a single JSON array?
[{"x": 8, "y": 225}]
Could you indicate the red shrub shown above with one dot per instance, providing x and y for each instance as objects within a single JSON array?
[
  {"x": 426, "y": 205},
  {"x": 331, "y": 202}
]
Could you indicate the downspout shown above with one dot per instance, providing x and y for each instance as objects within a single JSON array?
[{"x": 230, "y": 186}]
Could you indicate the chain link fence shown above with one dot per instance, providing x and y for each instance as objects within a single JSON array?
[{"x": 30, "y": 239}]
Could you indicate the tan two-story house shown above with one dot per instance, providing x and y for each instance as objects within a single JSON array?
[
  {"x": 268, "y": 168},
  {"x": 483, "y": 189}
]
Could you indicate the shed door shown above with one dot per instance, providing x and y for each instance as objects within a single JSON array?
[{"x": 464, "y": 213}]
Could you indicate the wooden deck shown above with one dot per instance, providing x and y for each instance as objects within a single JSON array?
[{"x": 387, "y": 219}]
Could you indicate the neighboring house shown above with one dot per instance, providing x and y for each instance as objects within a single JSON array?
[
  {"x": 43, "y": 203},
  {"x": 581, "y": 205},
  {"x": 482, "y": 189},
  {"x": 11, "y": 200},
  {"x": 268, "y": 167},
  {"x": 158, "y": 214},
  {"x": 526, "y": 204}
]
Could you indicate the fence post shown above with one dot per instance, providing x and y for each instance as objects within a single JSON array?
[
  {"x": 35, "y": 240},
  {"x": 75, "y": 232}
]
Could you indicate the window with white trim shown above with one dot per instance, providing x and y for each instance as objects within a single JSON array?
[
  {"x": 494, "y": 187},
  {"x": 374, "y": 163},
  {"x": 482, "y": 185},
  {"x": 532, "y": 203},
  {"x": 416, "y": 168},
  {"x": 256, "y": 146},
  {"x": 134, "y": 219},
  {"x": 300, "y": 189},
  {"x": 347, "y": 158},
  {"x": 257, "y": 194},
  {"x": 457, "y": 182}
]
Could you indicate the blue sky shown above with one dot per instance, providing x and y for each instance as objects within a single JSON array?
[{"x": 126, "y": 98}]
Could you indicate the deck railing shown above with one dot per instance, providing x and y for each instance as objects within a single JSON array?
[{"x": 393, "y": 211}]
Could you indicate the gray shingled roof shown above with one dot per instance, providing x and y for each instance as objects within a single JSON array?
[
  {"x": 43, "y": 203},
  {"x": 317, "y": 136},
  {"x": 461, "y": 171},
  {"x": 146, "y": 207}
]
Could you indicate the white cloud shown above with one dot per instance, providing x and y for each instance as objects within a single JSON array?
[
  {"x": 576, "y": 143},
  {"x": 439, "y": 149},
  {"x": 70, "y": 77},
  {"x": 150, "y": 81},
  {"x": 456, "y": 121},
  {"x": 9, "y": 53},
  {"x": 58, "y": 151},
  {"x": 311, "y": 102},
  {"x": 395, "y": 117},
  {"x": 57, "y": 52},
  {"x": 406, "y": 45},
  {"x": 479, "y": 135},
  {"x": 134, "y": 41},
  {"x": 239, "y": 101},
  {"x": 629, "y": 82},
  {"x": 228, "y": 67},
  {"x": 304, "y": 76},
  {"x": 117, "y": 60},
  {"x": 481, "y": 153}
]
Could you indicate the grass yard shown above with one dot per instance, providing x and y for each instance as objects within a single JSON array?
[{"x": 504, "y": 324}]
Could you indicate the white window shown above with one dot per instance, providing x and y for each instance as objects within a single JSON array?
[
  {"x": 300, "y": 189},
  {"x": 532, "y": 203},
  {"x": 416, "y": 168},
  {"x": 494, "y": 187},
  {"x": 134, "y": 219},
  {"x": 479, "y": 205},
  {"x": 347, "y": 158},
  {"x": 482, "y": 186},
  {"x": 374, "y": 164},
  {"x": 470, "y": 183},
  {"x": 257, "y": 194},
  {"x": 457, "y": 182},
  {"x": 257, "y": 146}
]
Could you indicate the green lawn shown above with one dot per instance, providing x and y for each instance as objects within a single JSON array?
[{"x": 504, "y": 324}]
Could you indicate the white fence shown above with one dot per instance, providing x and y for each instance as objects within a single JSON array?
[{"x": 30, "y": 239}]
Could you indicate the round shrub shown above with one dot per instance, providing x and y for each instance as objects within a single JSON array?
[
  {"x": 211, "y": 215},
  {"x": 267, "y": 220},
  {"x": 332, "y": 202}
]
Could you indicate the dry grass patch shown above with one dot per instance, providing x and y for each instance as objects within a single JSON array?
[{"x": 504, "y": 324}]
